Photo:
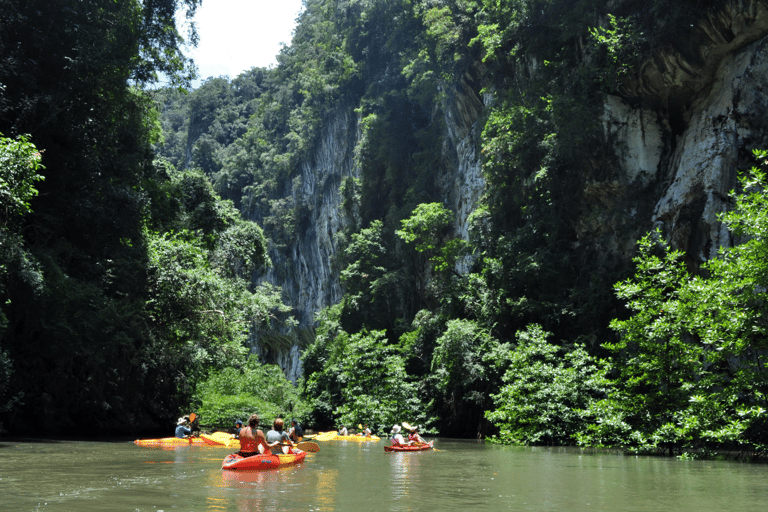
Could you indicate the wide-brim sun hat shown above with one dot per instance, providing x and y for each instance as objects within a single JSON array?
[{"x": 180, "y": 421}]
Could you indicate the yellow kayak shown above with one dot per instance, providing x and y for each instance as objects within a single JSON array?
[
  {"x": 334, "y": 436},
  {"x": 170, "y": 441},
  {"x": 357, "y": 438},
  {"x": 326, "y": 436},
  {"x": 221, "y": 439}
]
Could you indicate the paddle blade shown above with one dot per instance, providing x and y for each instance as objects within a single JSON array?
[
  {"x": 192, "y": 417},
  {"x": 308, "y": 446}
]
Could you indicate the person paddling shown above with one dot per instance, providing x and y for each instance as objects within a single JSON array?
[
  {"x": 296, "y": 433},
  {"x": 415, "y": 438},
  {"x": 181, "y": 429},
  {"x": 237, "y": 429},
  {"x": 252, "y": 440}
]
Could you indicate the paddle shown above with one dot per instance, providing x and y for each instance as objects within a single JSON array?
[
  {"x": 407, "y": 426},
  {"x": 192, "y": 417},
  {"x": 308, "y": 446}
]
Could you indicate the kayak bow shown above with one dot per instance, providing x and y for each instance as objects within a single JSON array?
[
  {"x": 235, "y": 461},
  {"x": 406, "y": 448}
]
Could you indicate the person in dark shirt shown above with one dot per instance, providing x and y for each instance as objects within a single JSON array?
[
  {"x": 296, "y": 433},
  {"x": 181, "y": 430}
]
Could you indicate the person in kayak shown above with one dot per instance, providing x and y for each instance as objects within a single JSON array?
[
  {"x": 343, "y": 431},
  {"x": 415, "y": 438},
  {"x": 181, "y": 430},
  {"x": 367, "y": 431},
  {"x": 237, "y": 429},
  {"x": 252, "y": 440},
  {"x": 397, "y": 437},
  {"x": 296, "y": 433},
  {"x": 277, "y": 439}
]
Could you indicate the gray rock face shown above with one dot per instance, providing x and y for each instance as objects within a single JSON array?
[
  {"x": 721, "y": 84},
  {"x": 672, "y": 172},
  {"x": 463, "y": 183},
  {"x": 308, "y": 280}
]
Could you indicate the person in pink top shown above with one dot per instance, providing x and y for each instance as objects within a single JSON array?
[
  {"x": 414, "y": 438},
  {"x": 397, "y": 437}
]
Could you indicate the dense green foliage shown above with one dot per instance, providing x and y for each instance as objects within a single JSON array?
[
  {"x": 690, "y": 369},
  {"x": 235, "y": 393},
  {"x": 127, "y": 282},
  {"x": 520, "y": 342},
  {"x": 19, "y": 166},
  {"x": 124, "y": 282},
  {"x": 358, "y": 378},
  {"x": 546, "y": 397}
]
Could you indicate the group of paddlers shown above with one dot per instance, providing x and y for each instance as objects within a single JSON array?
[
  {"x": 414, "y": 439},
  {"x": 276, "y": 441},
  {"x": 365, "y": 431}
]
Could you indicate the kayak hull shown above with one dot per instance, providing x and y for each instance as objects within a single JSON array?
[
  {"x": 221, "y": 439},
  {"x": 419, "y": 448},
  {"x": 235, "y": 461},
  {"x": 334, "y": 436},
  {"x": 356, "y": 438},
  {"x": 170, "y": 441}
]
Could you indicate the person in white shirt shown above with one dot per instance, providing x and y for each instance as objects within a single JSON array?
[{"x": 397, "y": 437}]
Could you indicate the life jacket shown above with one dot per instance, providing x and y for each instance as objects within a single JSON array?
[{"x": 250, "y": 442}]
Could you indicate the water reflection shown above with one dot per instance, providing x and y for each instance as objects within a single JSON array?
[
  {"x": 354, "y": 477},
  {"x": 325, "y": 494},
  {"x": 405, "y": 472}
]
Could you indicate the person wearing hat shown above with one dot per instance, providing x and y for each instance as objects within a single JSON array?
[
  {"x": 238, "y": 427},
  {"x": 397, "y": 437},
  {"x": 414, "y": 437},
  {"x": 343, "y": 431},
  {"x": 181, "y": 430},
  {"x": 296, "y": 433}
]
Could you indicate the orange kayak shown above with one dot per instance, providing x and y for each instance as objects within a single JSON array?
[
  {"x": 406, "y": 448},
  {"x": 235, "y": 461}
]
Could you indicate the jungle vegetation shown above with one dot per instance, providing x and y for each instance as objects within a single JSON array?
[
  {"x": 532, "y": 344},
  {"x": 124, "y": 281}
]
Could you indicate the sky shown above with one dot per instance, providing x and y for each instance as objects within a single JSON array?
[{"x": 236, "y": 35}]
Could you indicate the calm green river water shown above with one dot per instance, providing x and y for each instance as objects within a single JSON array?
[{"x": 348, "y": 476}]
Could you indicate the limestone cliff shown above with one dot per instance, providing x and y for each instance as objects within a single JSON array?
[
  {"x": 701, "y": 111},
  {"x": 681, "y": 127}
]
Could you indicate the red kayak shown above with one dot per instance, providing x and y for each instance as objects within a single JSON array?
[
  {"x": 406, "y": 448},
  {"x": 234, "y": 461}
]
